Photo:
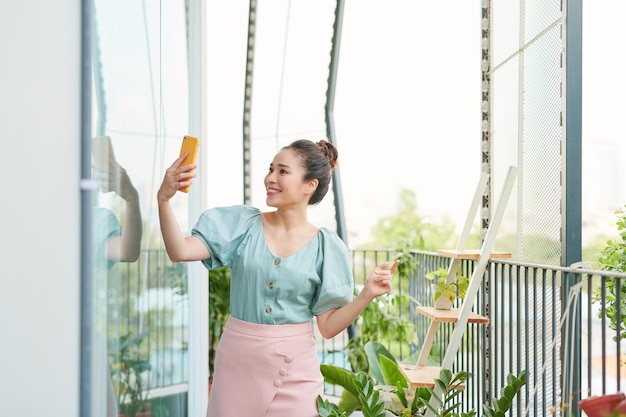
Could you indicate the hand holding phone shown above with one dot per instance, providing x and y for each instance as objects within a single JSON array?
[{"x": 190, "y": 145}]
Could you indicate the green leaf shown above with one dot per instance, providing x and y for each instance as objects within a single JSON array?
[
  {"x": 421, "y": 398},
  {"x": 488, "y": 411},
  {"x": 445, "y": 375},
  {"x": 434, "y": 396},
  {"x": 348, "y": 403},
  {"x": 503, "y": 404},
  {"x": 401, "y": 396},
  {"x": 440, "y": 385},
  {"x": 327, "y": 409},
  {"x": 371, "y": 405},
  {"x": 448, "y": 411},
  {"x": 452, "y": 394},
  {"x": 338, "y": 376},
  {"x": 373, "y": 351},
  {"x": 520, "y": 381},
  {"x": 509, "y": 392},
  {"x": 391, "y": 373},
  {"x": 510, "y": 379},
  {"x": 431, "y": 408}
]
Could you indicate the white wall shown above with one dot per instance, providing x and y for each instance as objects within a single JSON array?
[{"x": 39, "y": 207}]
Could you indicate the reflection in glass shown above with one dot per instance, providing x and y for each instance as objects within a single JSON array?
[
  {"x": 116, "y": 244},
  {"x": 113, "y": 243},
  {"x": 140, "y": 305}
]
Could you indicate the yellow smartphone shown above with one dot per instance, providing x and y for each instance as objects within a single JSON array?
[{"x": 190, "y": 144}]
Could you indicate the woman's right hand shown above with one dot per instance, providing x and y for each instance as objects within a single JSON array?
[{"x": 176, "y": 177}]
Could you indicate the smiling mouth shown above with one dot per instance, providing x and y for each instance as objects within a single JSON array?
[{"x": 272, "y": 191}]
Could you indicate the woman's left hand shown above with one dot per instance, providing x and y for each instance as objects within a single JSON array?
[
  {"x": 379, "y": 281},
  {"x": 333, "y": 321}
]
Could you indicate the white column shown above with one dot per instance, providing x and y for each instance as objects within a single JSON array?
[
  {"x": 197, "y": 274},
  {"x": 40, "y": 209}
]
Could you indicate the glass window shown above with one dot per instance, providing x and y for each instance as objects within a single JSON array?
[{"x": 140, "y": 114}]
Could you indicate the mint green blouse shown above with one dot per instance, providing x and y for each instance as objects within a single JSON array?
[{"x": 269, "y": 289}]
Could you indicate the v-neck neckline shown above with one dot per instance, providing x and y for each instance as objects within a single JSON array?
[{"x": 300, "y": 249}]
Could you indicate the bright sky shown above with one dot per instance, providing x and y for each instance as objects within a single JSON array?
[
  {"x": 407, "y": 109},
  {"x": 408, "y": 89}
]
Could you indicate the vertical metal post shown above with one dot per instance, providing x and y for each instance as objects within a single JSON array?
[
  {"x": 330, "y": 117},
  {"x": 486, "y": 148},
  {"x": 571, "y": 176},
  {"x": 342, "y": 230},
  {"x": 86, "y": 190},
  {"x": 572, "y": 145},
  {"x": 247, "y": 104}
]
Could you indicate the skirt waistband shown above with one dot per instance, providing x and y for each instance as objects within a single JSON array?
[{"x": 269, "y": 330}]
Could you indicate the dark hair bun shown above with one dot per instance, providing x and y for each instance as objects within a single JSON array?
[{"x": 330, "y": 151}]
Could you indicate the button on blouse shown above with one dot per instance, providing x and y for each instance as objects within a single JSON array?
[{"x": 267, "y": 289}]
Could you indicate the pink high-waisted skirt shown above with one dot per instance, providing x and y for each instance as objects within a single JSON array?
[{"x": 265, "y": 371}]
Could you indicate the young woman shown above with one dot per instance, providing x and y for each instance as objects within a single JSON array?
[{"x": 285, "y": 272}]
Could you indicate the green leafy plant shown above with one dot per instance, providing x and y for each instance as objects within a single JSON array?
[
  {"x": 369, "y": 397},
  {"x": 376, "y": 400},
  {"x": 613, "y": 258},
  {"x": 326, "y": 408},
  {"x": 383, "y": 368},
  {"x": 380, "y": 321},
  {"x": 500, "y": 406},
  {"x": 391, "y": 385},
  {"x": 451, "y": 291},
  {"x": 386, "y": 390},
  {"x": 404, "y": 253},
  {"x": 127, "y": 374},
  {"x": 361, "y": 388},
  {"x": 449, "y": 384},
  {"x": 219, "y": 309}
]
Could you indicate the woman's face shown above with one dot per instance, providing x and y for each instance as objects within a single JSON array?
[{"x": 284, "y": 182}]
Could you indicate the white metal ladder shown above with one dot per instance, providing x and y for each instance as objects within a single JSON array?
[{"x": 475, "y": 282}]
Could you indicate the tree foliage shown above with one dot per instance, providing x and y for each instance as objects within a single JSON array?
[
  {"x": 613, "y": 298},
  {"x": 408, "y": 227}
]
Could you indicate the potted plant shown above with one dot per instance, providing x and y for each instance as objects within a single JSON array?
[
  {"x": 127, "y": 374},
  {"x": 445, "y": 293},
  {"x": 394, "y": 397},
  {"x": 602, "y": 405}
]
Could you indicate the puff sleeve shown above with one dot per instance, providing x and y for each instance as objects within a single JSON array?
[
  {"x": 222, "y": 230},
  {"x": 106, "y": 227},
  {"x": 333, "y": 266}
]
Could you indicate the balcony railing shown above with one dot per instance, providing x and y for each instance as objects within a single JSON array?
[
  {"x": 150, "y": 297},
  {"x": 547, "y": 320}
]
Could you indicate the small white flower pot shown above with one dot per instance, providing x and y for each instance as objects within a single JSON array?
[{"x": 443, "y": 302}]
